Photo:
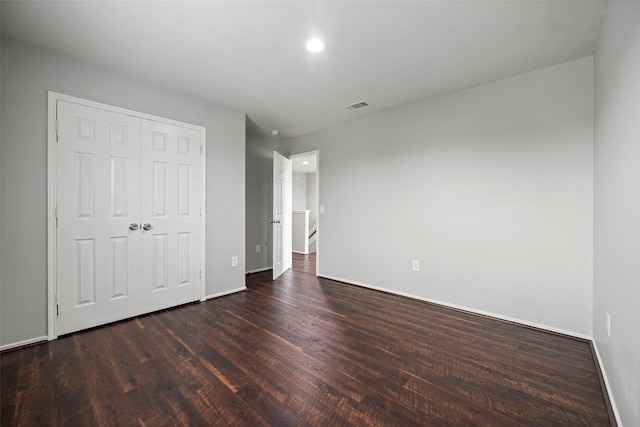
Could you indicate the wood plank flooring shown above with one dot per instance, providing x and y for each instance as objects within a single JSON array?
[
  {"x": 305, "y": 263},
  {"x": 303, "y": 351}
]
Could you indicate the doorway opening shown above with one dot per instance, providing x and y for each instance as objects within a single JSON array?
[{"x": 305, "y": 212}]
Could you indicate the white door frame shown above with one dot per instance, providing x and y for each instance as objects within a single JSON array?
[
  {"x": 317, "y": 154},
  {"x": 53, "y": 98}
]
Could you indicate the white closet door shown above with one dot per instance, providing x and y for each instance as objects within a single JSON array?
[
  {"x": 129, "y": 198},
  {"x": 171, "y": 206},
  {"x": 98, "y": 187}
]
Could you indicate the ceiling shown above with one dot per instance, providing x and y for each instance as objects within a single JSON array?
[
  {"x": 307, "y": 163},
  {"x": 249, "y": 55}
]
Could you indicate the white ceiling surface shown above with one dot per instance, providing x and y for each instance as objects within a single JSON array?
[
  {"x": 304, "y": 163},
  {"x": 250, "y": 56}
]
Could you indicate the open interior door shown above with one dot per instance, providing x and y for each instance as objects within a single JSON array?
[{"x": 281, "y": 221}]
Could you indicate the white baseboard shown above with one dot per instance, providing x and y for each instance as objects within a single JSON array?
[
  {"x": 467, "y": 309},
  {"x": 37, "y": 340},
  {"x": 301, "y": 253},
  {"x": 221, "y": 294},
  {"x": 607, "y": 385},
  {"x": 259, "y": 270}
]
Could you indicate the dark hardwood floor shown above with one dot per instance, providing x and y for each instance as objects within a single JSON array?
[
  {"x": 304, "y": 263},
  {"x": 303, "y": 351}
]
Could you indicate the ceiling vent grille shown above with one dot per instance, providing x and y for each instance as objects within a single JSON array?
[{"x": 357, "y": 106}]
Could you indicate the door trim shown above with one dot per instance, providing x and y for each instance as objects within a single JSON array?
[{"x": 53, "y": 98}]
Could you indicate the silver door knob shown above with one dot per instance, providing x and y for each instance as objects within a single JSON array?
[
  {"x": 146, "y": 227},
  {"x": 133, "y": 226}
]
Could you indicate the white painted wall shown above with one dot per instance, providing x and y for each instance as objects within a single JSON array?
[
  {"x": 299, "y": 230},
  {"x": 489, "y": 188},
  {"x": 27, "y": 74},
  {"x": 617, "y": 205},
  {"x": 259, "y": 200},
  {"x": 312, "y": 198},
  {"x": 299, "y": 191},
  {"x": 299, "y": 196}
]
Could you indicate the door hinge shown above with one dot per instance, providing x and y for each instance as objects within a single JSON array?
[
  {"x": 201, "y": 274},
  {"x": 56, "y": 213},
  {"x": 57, "y": 305},
  {"x": 57, "y": 131},
  {"x": 201, "y": 150},
  {"x": 201, "y": 211}
]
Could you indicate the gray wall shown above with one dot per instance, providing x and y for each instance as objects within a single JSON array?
[
  {"x": 312, "y": 198},
  {"x": 259, "y": 200},
  {"x": 489, "y": 188},
  {"x": 27, "y": 75},
  {"x": 617, "y": 205},
  {"x": 299, "y": 191}
]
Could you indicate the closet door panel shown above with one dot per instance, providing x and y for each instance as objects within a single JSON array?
[
  {"x": 171, "y": 201},
  {"x": 98, "y": 197}
]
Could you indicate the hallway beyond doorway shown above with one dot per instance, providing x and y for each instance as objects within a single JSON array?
[{"x": 304, "y": 263}]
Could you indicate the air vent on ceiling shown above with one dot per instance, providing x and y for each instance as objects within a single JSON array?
[{"x": 357, "y": 106}]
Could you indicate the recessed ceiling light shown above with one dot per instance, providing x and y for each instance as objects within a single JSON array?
[
  {"x": 305, "y": 162},
  {"x": 275, "y": 132},
  {"x": 315, "y": 45}
]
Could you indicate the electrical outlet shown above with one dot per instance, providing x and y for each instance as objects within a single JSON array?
[
  {"x": 258, "y": 249},
  {"x": 608, "y": 324},
  {"x": 234, "y": 261},
  {"x": 416, "y": 265}
]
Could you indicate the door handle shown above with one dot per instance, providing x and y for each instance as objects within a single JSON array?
[
  {"x": 146, "y": 227},
  {"x": 274, "y": 221},
  {"x": 133, "y": 226}
]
